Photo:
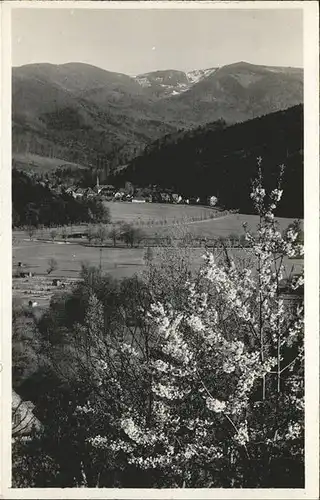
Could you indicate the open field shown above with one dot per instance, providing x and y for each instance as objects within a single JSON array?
[
  {"x": 118, "y": 262},
  {"x": 154, "y": 213},
  {"x": 221, "y": 226},
  {"x": 34, "y": 256},
  {"x": 178, "y": 220}
]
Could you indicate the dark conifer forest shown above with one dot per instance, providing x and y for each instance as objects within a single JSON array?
[
  {"x": 35, "y": 204},
  {"x": 221, "y": 160}
]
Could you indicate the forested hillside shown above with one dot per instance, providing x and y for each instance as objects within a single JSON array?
[
  {"x": 219, "y": 160},
  {"x": 80, "y": 113},
  {"x": 35, "y": 204}
]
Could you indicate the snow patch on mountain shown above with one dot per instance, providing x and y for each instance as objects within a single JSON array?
[
  {"x": 172, "y": 82},
  {"x": 143, "y": 81},
  {"x": 196, "y": 75}
]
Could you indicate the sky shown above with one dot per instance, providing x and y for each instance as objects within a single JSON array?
[{"x": 135, "y": 41}]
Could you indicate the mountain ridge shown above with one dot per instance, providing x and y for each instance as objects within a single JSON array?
[{"x": 85, "y": 114}]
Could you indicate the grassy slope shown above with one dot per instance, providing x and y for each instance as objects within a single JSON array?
[
  {"x": 143, "y": 212},
  {"x": 223, "y": 226},
  {"x": 27, "y": 161}
]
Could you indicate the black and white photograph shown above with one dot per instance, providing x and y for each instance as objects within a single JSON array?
[{"x": 157, "y": 229}]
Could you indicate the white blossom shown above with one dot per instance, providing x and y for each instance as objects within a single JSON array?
[{"x": 215, "y": 405}]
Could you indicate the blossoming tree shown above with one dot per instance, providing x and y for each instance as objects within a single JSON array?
[{"x": 225, "y": 371}]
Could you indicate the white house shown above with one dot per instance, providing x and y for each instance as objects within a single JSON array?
[
  {"x": 138, "y": 200},
  {"x": 119, "y": 195},
  {"x": 213, "y": 200}
]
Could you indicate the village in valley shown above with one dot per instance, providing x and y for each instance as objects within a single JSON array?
[
  {"x": 129, "y": 193},
  {"x": 139, "y": 228}
]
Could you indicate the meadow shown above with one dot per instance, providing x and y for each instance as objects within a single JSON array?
[
  {"x": 119, "y": 261},
  {"x": 156, "y": 213}
]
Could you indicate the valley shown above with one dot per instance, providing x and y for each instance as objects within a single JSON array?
[
  {"x": 75, "y": 125},
  {"x": 157, "y": 260}
]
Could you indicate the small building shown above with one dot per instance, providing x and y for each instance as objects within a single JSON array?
[
  {"x": 212, "y": 201},
  {"x": 78, "y": 193},
  {"x": 119, "y": 195},
  {"x": 138, "y": 199},
  {"x": 165, "y": 197},
  {"x": 89, "y": 193},
  {"x": 195, "y": 200},
  {"x": 69, "y": 190},
  {"x": 176, "y": 197},
  {"x": 23, "y": 418},
  {"x": 107, "y": 190}
]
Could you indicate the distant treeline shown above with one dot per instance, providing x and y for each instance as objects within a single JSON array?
[
  {"x": 221, "y": 161},
  {"x": 35, "y": 204}
]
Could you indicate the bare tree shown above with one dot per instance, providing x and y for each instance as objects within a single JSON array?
[
  {"x": 101, "y": 233},
  {"x": 52, "y": 265},
  {"x": 131, "y": 234},
  {"x": 114, "y": 235},
  {"x": 91, "y": 234},
  {"x": 64, "y": 234},
  {"x": 31, "y": 231}
]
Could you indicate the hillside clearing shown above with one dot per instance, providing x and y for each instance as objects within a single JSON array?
[{"x": 29, "y": 161}]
